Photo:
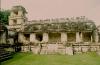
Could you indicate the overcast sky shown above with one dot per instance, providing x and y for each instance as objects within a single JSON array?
[{"x": 42, "y": 9}]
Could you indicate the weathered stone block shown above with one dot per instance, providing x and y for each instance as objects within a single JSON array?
[
  {"x": 85, "y": 49},
  {"x": 52, "y": 48},
  {"x": 93, "y": 48},
  {"x": 69, "y": 50},
  {"x": 43, "y": 50},
  {"x": 61, "y": 51},
  {"x": 76, "y": 49},
  {"x": 35, "y": 49},
  {"x": 98, "y": 51},
  {"x": 25, "y": 48}
]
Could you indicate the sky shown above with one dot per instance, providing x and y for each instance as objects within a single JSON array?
[{"x": 45, "y": 9}]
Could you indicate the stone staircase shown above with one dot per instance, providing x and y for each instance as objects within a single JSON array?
[{"x": 4, "y": 55}]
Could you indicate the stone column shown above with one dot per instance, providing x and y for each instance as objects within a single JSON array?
[
  {"x": 32, "y": 37},
  {"x": 63, "y": 37},
  {"x": 91, "y": 38},
  {"x": 10, "y": 21},
  {"x": 81, "y": 36},
  {"x": 3, "y": 38},
  {"x": 96, "y": 37},
  {"x": 21, "y": 37},
  {"x": 45, "y": 37},
  {"x": 77, "y": 37}
]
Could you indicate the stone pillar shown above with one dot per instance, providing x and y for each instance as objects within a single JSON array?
[
  {"x": 32, "y": 37},
  {"x": 77, "y": 37},
  {"x": 4, "y": 37},
  {"x": 96, "y": 37},
  {"x": 45, "y": 37},
  {"x": 21, "y": 37},
  {"x": 63, "y": 37},
  {"x": 91, "y": 38},
  {"x": 81, "y": 37},
  {"x": 10, "y": 21}
]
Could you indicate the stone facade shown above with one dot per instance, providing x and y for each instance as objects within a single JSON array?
[{"x": 54, "y": 36}]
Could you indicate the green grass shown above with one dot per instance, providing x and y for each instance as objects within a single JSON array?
[{"x": 32, "y": 59}]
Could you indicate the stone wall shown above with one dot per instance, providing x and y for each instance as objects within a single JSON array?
[
  {"x": 61, "y": 49},
  {"x": 86, "y": 48}
]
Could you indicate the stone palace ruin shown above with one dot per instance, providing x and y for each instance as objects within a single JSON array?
[{"x": 53, "y": 36}]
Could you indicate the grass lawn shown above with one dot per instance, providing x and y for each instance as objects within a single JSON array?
[{"x": 32, "y": 59}]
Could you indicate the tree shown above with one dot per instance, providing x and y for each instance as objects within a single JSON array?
[{"x": 4, "y": 16}]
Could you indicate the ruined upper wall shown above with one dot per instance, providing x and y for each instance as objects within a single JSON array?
[
  {"x": 60, "y": 20},
  {"x": 81, "y": 24},
  {"x": 19, "y": 8}
]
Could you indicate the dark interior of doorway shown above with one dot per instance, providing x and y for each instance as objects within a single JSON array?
[{"x": 39, "y": 37}]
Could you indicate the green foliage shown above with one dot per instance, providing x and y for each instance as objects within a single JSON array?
[{"x": 4, "y": 16}]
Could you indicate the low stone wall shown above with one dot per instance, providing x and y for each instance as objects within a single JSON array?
[
  {"x": 36, "y": 49},
  {"x": 86, "y": 48},
  {"x": 61, "y": 49},
  {"x": 25, "y": 48}
]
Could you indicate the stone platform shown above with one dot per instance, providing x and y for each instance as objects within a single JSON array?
[{"x": 61, "y": 49}]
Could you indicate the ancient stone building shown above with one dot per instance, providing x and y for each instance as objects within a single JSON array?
[{"x": 53, "y": 36}]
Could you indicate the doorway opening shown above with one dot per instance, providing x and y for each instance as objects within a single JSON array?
[{"x": 39, "y": 37}]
